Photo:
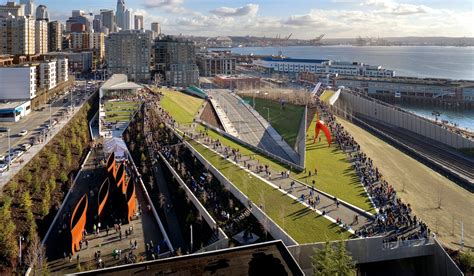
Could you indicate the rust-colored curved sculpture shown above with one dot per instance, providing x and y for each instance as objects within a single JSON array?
[
  {"x": 131, "y": 200},
  {"x": 78, "y": 222},
  {"x": 120, "y": 177},
  {"x": 103, "y": 196},
  {"x": 111, "y": 165}
]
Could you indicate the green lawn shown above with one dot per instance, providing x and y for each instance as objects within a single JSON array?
[
  {"x": 326, "y": 95},
  {"x": 335, "y": 174},
  {"x": 304, "y": 225},
  {"x": 286, "y": 121},
  {"x": 120, "y": 111},
  {"x": 181, "y": 107}
]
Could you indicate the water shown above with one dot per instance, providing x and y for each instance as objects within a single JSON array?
[
  {"x": 464, "y": 119},
  {"x": 413, "y": 61}
]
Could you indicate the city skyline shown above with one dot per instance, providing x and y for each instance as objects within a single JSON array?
[{"x": 305, "y": 19}]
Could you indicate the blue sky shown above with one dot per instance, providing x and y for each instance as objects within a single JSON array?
[{"x": 303, "y": 18}]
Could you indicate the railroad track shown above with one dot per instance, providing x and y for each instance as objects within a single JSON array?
[{"x": 459, "y": 166}]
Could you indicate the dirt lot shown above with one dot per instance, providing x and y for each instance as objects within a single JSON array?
[{"x": 423, "y": 188}]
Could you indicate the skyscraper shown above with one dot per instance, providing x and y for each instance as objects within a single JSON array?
[
  {"x": 13, "y": 9},
  {"x": 42, "y": 13},
  {"x": 120, "y": 13},
  {"x": 108, "y": 20},
  {"x": 29, "y": 7},
  {"x": 155, "y": 27},
  {"x": 138, "y": 22},
  {"x": 128, "y": 20},
  {"x": 97, "y": 23},
  {"x": 128, "y": 52},
  {"x": 55, "y": 36}
]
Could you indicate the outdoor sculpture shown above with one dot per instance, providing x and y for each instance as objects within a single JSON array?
[
  {"x": 103, "y": 196},
  {"x": 78, "y": 223},
  {"x": 321, "y": 126}
]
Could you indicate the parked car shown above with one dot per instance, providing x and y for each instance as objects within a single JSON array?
[
  {"x": 3, "y": 167},
  {"x": 2, "y": 157},
  {"x": 3, "y": 129},
  {"x": 18, "y": 152},
  {"x": 23, "y": 132}
]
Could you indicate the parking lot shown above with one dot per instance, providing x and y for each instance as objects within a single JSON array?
[{"x": 35, "y": 129}]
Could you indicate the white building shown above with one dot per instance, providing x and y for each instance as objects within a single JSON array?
[
  {"x": 13, "y": 111},
  {"x": 319, "y": 66},
  {"x": 30, "y": 7},
  {"x": 18, "y": 82},
  {"x": 62, "y": 70},
  {"x": 41, "y": 36},
  {"x": 47, "y": 72}
]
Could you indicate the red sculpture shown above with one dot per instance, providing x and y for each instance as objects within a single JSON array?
[
  {"x": 321, "y": 126},
  {"x": 78, "y": 223}
]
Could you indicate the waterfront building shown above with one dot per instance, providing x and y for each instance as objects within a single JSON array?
[
  {"x": 55, "y": 36},
  {"x": 220, "y": 41},
  {"x": 216, "y": 63},
  {"x": 29, "y": 7},
  {"x": 319, "y": 66},
  {"x": 138, "y": 22},
  {"x": 47, "y": 74},
  {"x": 175, "y": 61},
  {"x": 240, "y": 81},
  {"x": 128, "y": 52},
  {"x": 18, "y": 35},
  {"x": 410, "y": 88},
  {"x": 11, "y": 8},
  {"x": 18, "y": 82}
]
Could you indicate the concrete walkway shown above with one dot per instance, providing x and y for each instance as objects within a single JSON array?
[
  {"x": 226, "y": 123},
  {"x": 327, "y": 203}
]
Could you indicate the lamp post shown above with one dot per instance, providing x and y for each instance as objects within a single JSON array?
[
  {"x": 20, "y": 239},
  {"x": 254, "y": 98},
  {"x": 268, "y": 113},
  {"x": 9, "y": 149}
]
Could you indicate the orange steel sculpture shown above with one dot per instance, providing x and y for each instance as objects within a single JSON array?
[
  {"x": 120, "y": 178},
  {"x": 131, "y": 200},
  {"x": 111, "y": 165},
  {"x": 321, "y": 126},
  {"x": 103, "y": 195},
  {"x": 78, "y": 222}
]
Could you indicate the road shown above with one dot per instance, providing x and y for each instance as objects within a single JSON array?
[{"x": 37, "y": 119}]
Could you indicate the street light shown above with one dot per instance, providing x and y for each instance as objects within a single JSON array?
[
  {"x": 268, "y": 113},
  {"x": 20, "y": 239},
  {"x": 257, "y": 92},
  {"x": 9, "y": 149}
]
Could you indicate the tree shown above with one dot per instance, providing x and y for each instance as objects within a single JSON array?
[
  {"x": 328, "y": 261},
  {"x": 8, "y": 244},
  {"x": 52, "y": 183},
  {"x": 68, "y": 157},
  {"x": 323, "y": 262},
  {"x": 46, "y": 201},
  {"x": 36, "y": 257},
  {"x": 344, "y": 263},
  {"x": 63, "y": 177},
  {"x": 53, "y": 161},
  {"x": 26, "y": 204}
]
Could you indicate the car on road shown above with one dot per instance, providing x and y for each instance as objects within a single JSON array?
[
  {"x": 23, "y": 132},
  {"x": 25, "y": 146},
  {"x": 11, "y": 157},
  {"x": 3, "y": 129},
  {"x": 2, "y": 157},
  {"x": 18, "y": 152},
  {"x": 3, "y": 167}
]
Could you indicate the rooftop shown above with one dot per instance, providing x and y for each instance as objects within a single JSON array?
[
  {"x": 271, "y": 258},
  {"x": 298, "y": 60},
  {"x": 11, "y": 104}
]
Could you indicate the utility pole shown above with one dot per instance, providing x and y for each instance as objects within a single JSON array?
[
  {"x": 191, "y": 230},
  {"x": 268, "y": 114},
  {"x": 9, "y": 150},
  {"x": 20, "y": 239}
]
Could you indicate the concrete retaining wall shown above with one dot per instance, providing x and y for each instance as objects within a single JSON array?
[
  {"x": 300, "y": 146},
  {"x": 396, "y": 117},
  {"x": 367, "y": 250}
]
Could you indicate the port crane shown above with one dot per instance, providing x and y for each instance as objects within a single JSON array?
[{"x": 317, "y": 41}]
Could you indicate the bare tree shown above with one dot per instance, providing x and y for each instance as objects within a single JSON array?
[{"x": 36, "y": 257}]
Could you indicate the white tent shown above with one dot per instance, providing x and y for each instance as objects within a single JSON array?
[{"x": 116, "y": 145}]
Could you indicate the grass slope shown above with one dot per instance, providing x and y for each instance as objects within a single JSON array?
[
  {"x": 181, "y": 106},
  {"x": 327, "y": 94},
  {"x": 304, "y": 225},
  {"x": 286, "y": 121}
]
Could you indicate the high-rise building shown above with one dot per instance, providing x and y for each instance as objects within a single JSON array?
[
  {"x": 42, "y": 13},
  {"x": 155, "y": 27},
  {"x": 80, "y": 40},
  {"x": 97, "y": 44},
  {"x": 175, "y": 61},
  {"x": 128, "y": 52},
  {"x": 47, "y": 74},
  {"x": 29, "y": 7},
  {"x": 216, "y": 63},
  {"x": 77, "y": 22},
  {"x": 139, "y": 22},
  {"x": 108, "y": 20},
  {"x": 11, "y": 8},
  {"x": 55, "y": 36},
  {"x": 97, "y": 23},
  {"x": 128, "y": 20},
  {"x": 120, "y": 14},
  {"x": 17, "y": 35},
  {"x": 41, "y": 36}
]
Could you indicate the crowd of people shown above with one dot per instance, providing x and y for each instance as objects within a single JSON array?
[{"x": 394, "y": 217}]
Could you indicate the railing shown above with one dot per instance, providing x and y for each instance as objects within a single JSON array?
[{"x": 406, "y": 243}]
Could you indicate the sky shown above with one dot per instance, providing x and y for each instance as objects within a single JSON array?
[{"x": 305, "y": 19}]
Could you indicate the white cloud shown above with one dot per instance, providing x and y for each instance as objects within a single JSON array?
[
  {"x": 249, "y": 10},
  {"x": 392, "y": 7},
  {"x": 174, "y": 6}
]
